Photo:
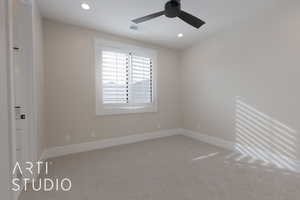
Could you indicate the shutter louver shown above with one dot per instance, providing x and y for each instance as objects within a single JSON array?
[
  {"x": 115, "y": 77},
  {"x": 141, "y": 80}
]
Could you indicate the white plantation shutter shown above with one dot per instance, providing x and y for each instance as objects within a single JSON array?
[
  {"x": 124, "y": 79},
  {"x": 114, "y": 77},
  {"x": 141, "y": 80}
]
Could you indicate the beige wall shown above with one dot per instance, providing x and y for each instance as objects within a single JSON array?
[
  {"x": 250, "y": 68},
  {"x": 257, "y": 61},
  {"x": 70, "y": 89}
]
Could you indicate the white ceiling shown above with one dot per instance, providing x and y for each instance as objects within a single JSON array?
[{"x": 114, "y": 16}]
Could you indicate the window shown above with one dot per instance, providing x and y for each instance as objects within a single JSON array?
[{"x": 125, "y": 79}]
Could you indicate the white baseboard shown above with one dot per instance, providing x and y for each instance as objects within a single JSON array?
[
  {"x": 208, "y": 139},
  {"x": 101, "y": 144},
  {"x": 106, "y": 143}
]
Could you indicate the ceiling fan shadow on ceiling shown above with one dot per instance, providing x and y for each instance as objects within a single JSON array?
[{"x": 172, "y": 10}]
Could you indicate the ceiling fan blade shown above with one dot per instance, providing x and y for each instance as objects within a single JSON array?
[
  {"x": 148, "y": 17},
  {"x": 190, "y": 19}
]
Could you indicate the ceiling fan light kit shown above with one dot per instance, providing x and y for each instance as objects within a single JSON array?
[{"x": 172, "y": 10}]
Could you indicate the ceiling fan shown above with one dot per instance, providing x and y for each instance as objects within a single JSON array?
[{"x": 172, "y": 10}]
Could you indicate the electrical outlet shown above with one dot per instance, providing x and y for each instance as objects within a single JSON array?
[
  {"x": 68, "y": 137},
  {"x": 93, "y": 134}
]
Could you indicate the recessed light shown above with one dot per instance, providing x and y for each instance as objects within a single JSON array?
[
  {"x": 180, "y": 35},
  {"x": 85, "y": 6}
]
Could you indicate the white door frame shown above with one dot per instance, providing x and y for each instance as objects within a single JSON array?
[
  {"x": 5, "y": 118},
  {"x": 11, "y": 86},
  {"x": 30, "y": 135},
  {"x": 23, "y": 78},
  {"x": 7, "y": 102}
]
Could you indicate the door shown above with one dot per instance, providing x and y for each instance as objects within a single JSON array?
[
  {"x": 5, "y": 146},
  {"x": 23, "y": 80}
]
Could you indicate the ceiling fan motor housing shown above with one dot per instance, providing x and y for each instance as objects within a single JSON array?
[{"x": 172, "y": 8}]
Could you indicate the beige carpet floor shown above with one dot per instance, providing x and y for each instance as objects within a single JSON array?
[{"x": 172, "y": 168}]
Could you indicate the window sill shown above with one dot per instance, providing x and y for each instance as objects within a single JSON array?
[{"x": 126, "y": 110}]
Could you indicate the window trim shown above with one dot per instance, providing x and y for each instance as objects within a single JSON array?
[{"x": 116, "y": 109}]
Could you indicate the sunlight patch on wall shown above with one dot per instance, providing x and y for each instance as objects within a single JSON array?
[{"x": 261, "y": 137}]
